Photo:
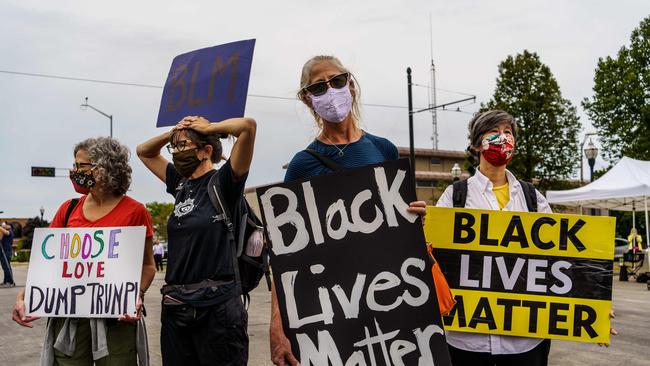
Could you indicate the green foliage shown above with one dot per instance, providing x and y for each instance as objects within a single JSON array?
[
  {"x": 546, "y": 146},
  {"x": 620, "y": 106},
  {"x": 21, "y": 255},
  {"x": 160, "y": 212},
  {"x": 28, "y": 230}
]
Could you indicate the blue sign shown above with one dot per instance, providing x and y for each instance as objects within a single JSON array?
[{"x": 211, "y": 82}]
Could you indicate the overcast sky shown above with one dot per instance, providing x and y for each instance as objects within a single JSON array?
[{"x": 135, "y": 42}]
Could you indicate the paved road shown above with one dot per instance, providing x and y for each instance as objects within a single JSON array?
[{"x": 21, "y": 346}]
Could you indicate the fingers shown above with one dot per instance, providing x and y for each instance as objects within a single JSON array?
[
  {"x": 613, "y": 331},
  {"x": 18, "y": 315}
]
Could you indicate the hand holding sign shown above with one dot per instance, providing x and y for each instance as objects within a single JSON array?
[{"x": 83, "y": 272}]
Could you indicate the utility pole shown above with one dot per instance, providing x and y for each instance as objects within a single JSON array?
[
  {"x": 412, "y": 112},
  {"x": 432, "y": 99}
]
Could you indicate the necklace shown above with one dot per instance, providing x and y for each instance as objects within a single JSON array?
[{"x": 336, "y": 146}]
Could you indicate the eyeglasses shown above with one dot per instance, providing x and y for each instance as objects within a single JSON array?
[
  {"x": 82, "y": 166},
  {"x": 320, "y": 87},
  {"x": 181, "y": 145}
]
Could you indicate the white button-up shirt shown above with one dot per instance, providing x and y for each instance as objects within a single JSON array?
[{"x": 481, "y": 196}]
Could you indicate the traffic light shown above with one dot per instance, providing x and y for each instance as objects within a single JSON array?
[{"x": 39, "y": 171}]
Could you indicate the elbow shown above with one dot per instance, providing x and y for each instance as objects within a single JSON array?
[
  {"x": 251, "y": 125},
  {"x": 139, "y": 150}
]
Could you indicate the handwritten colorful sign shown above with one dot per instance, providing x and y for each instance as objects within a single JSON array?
[
  {"x": 210, "y": 82},
  {"x": 84, "y": 272}
]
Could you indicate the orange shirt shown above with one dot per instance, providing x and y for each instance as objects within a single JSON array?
[{"x": 128, "y": 212}]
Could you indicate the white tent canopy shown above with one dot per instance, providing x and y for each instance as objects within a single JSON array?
[{"x": 625, "y": 187}]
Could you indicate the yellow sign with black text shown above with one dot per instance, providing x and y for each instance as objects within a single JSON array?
[{"x": 525, "y": 274}]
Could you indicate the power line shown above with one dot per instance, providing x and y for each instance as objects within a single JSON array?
[{"x": 150, "y": 86}]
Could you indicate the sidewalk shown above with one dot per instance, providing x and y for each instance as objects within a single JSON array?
[{"x": 21, "y": 346}]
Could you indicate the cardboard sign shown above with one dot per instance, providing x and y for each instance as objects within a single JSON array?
[
  {"x": 351, "y": 270},
  {"x": 84, "y": 272},
  {"x": 210, "y": 82},
  {"x": 526, "y": 274}
]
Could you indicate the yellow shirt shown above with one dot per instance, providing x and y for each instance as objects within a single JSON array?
[
  {"x": 502, "y": 194},
  {"x": 639, "y": 240}
]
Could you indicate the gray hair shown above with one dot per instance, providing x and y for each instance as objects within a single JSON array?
[
  {"x": 485, "y": 121},
  {"x": 111, "y": 161},
  {"x": 354, "y": 89}
]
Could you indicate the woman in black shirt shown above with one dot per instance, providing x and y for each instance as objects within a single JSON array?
[{"x": 203, "y": 317}]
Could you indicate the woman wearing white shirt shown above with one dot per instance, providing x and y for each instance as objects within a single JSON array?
[{"x": 492, "y": 139}]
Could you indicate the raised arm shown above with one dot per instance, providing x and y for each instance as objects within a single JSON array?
[
  {"x": 243, "y": 129},
  {"x": 149, "y": 153}
]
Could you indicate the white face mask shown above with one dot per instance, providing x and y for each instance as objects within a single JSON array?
[{"x": 333, "y": 106}]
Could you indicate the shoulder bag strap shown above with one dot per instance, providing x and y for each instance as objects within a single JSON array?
[
  {"x": 68, "y": 212},
  {"x": 331, "y": 164},
  {"x": 459, "y": 193}
]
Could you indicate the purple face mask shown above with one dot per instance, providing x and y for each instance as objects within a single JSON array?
[{"x": 333, "y": 106}]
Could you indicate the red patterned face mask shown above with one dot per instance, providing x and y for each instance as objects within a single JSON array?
[
  {"x": 497, "y": 149},
  {"x": 81, "y": 182}
]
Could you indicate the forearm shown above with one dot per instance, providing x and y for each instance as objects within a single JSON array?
[
  {"x": 234, "y": 126},
  {"x": 151, "y": 148},
  {"x": 276, "y": 318},
  {"x": 148, "y": 273}
]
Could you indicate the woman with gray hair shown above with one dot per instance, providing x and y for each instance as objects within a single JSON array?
[
  {"x": 492, "y": 137},
  {"x": 332, "y": 94},
  {"x": 102, "y": 175}
]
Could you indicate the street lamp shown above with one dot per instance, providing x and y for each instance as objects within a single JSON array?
[
  {"x": 582, "y": 147},
  {"x": 455, "y": 172},
  {"x": 591, "y": 152},
  {"x": 109, "y": 116},
  {"x": 42, "y": 212}
]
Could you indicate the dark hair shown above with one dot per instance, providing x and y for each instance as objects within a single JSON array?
[
  {"x": 483, "y": 122},
  {"x": 201, "y": 141}
]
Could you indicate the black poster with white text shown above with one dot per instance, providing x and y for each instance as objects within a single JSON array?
[{"x": 351, "y": 269}]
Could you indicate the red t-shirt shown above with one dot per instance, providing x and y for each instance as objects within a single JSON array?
[{"x": 128, "y": 212}]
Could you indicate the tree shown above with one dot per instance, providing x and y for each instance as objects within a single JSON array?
[
  {"x": 28, "y": 230},
  {"x": 620, "y": 107},
  {"x": 546, "y": 146},
  {"x": 160, "y": 212}
]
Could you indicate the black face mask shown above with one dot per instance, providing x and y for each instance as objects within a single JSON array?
[
  {"x": 186, "y": 162},
  {"x": 81, "y": 181}
]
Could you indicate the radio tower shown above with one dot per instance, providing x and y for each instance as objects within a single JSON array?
[{"x": 432, "y": 94}]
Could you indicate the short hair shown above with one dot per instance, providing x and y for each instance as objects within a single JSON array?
[
  {"x": 304, "y": 81},
  {"x": 201, "y": 140},
  {"x": 111, "y": 160},
  {"x": 485, "y": 121}
]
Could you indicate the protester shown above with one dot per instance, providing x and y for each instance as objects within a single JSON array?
[
  {"x": 6, "y": 251},
  {"x": 492, "y": 138},
  {"x": 635, "y": 241},
  {"x": 158, "y": 254},
  {"x": 102, "y": 175},
  {"x": 331, "y": 93},
  {"x": 203, "y": 318}
]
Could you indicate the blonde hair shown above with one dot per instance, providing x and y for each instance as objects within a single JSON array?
[{"x": 354, "y": 87}]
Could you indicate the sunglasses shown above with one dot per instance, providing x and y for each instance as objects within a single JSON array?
[{"x": 319, "y": 88}]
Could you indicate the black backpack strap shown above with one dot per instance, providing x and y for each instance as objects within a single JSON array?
[
  {"x": 218, "y": 201},
  {"x": 459, "y": 193},
  {"x": 530, "y": 194},
  {"x": 331, "y": 164},
  {"x": 68, "y": 212}
]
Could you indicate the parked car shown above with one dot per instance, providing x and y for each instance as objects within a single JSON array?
[{"x": 620, "y": 248}]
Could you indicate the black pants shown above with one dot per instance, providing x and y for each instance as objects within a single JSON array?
[
  {"x": 158, "y": 259},
  {"x": 213, "y": 335},
  {"x": 537, "y": 356}
]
